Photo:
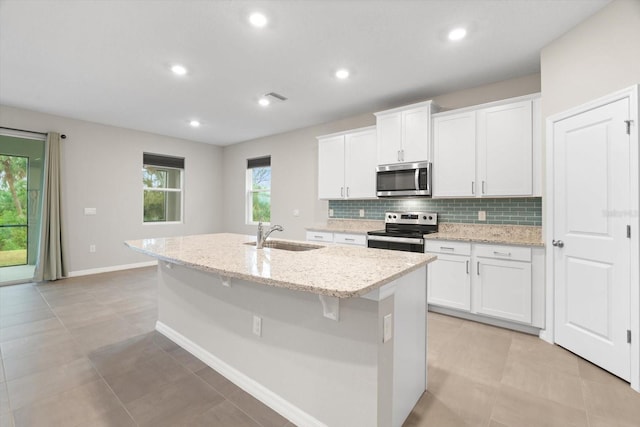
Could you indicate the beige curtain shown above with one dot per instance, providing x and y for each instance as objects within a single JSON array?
[{"x": 51, "y": 263}]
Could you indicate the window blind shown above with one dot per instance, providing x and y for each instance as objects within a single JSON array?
[
  {"x": 163, "y": 161},
  {"x": 259, "y": 162}
]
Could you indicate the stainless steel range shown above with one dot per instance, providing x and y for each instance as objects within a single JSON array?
[{"x": 404, "y": 231}]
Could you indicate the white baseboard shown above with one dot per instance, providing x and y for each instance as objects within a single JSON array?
[
  {"x": 254, "y": 388},
  {"x": 111, "y": 268}
]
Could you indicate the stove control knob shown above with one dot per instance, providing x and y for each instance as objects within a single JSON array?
[
  {"x": 425, "y": 217},
  {"x": 430, "y": 218},
  {"x": 389, "y": 216},
  {"x": 394, "y": 217}
]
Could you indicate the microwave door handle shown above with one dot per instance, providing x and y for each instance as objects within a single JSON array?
[{"x": 417, "y": 179}]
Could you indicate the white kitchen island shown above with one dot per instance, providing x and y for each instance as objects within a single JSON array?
[{"x": 334, "y": 336}]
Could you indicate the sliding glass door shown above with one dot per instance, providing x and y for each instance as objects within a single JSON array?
[{"x": 21, "y": 182}]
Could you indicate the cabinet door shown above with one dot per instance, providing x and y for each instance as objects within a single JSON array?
[
  {"x": 331, "y": 168},
  {"x": 505, "y": 150},
  {"x": 503, "y": 289},
  {"x": 449, "y": 282},
  {"x": 454, "y": 160},
  {"x": 360, "y": 165},
  {"x": 389, "y": 129},
  {"x": 415, "y": 135}
]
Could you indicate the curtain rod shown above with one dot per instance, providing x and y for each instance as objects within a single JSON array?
[{"x": 63, "y": 136}]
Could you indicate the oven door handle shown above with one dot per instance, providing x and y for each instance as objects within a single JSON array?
[{"x": 410, "y": 240}]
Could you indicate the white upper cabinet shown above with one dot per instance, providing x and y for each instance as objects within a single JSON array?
[
  {"x": 488, "y": 151},
  {"x": 505, "y": 148},
  {"x": 404, "y": 134},
  {"x": 347, "y": 165},
  {"x": 454, "y": 155}
]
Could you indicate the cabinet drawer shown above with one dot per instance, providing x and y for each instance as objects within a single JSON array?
[
  {"x": 448, "y": 247},
  {"x": 350, "y": 239},
  {"x": 515, "y": 253},
  {"x": 320, "y": 236}
]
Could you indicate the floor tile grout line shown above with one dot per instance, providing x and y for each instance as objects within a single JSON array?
[{"x": 86, "y": 354}]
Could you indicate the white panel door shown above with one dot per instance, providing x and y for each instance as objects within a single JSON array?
[
  {"x": 505, "y": 150},
  {"x": 503, "y": 289},
  {"x": 331, "y": 168},
  {"x": 591, "y": 213},
  {"x": 454, "y": 157},
  {"x": 415, "y": 135},
  {"x": 449, "y": 282},
  {"x": 360, "y": 164},
  {"x": 389, "y": 128}
]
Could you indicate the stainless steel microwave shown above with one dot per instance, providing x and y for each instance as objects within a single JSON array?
[{"x": 403, "y": 180}]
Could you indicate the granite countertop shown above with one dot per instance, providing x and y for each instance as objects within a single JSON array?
[
  {"x": 334, "y": 270},
  {"x": 523, "y": 235},
  {"x": 352, "y": 226}
]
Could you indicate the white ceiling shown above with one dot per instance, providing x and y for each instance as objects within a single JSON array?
[{"x": 108, "y": 61}]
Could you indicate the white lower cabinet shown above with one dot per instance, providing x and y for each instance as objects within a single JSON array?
[
  {"x": 499, "y": 281},
  {"x": 340, "y": 238}
]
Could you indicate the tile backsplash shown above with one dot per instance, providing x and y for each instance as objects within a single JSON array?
[{"x": 516, "y": 211}]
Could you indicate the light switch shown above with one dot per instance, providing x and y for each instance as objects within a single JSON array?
[
  {"x": 387, "y": 327},
  {"x": 90, "y": 211},
  {"x": 296, "y": 212}
]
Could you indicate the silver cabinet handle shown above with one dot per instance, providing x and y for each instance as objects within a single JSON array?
[
  {"x": 318, "y": 237},
  {"x": 447, "y": 248},
  {"x": 502, "y": 253},
  {"x": 558, "y": 243},
  {"x": 473, "y": 187},
  {"x": 402, "y": 151},
  {"x": 482, "y": 187},
  {"x": 399, "y": 156},
  {"x": 341, "y": 191},
  {"x": 467, "y": 266},
  {"x": 478, "y": 268},
  {"x": 347, "y": 239},
  {"x": 347, "y": 191}
]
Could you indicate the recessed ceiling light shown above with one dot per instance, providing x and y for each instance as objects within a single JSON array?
[
  {"x": 179, "y": 70},
  {"x": 457, "y": 34},
  {"x": 342, "y": 73},
  {"x": 194, "y": 123},
  {"x": 258, "y": 20},
  {"x": 264, "y": 102}
]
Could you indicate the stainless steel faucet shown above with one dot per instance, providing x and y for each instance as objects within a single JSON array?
[{"x": 263, "y": 236}]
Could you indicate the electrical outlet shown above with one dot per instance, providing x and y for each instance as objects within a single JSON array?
[
  {"x": 296, "y": 212},
  {"x": 92, "y": 248},
  {"x": 361, "y": 213},
  {"x": 257, "y": 325},
  {"x": 482, "y": 215},
  {"x": 330, "y": 212}
]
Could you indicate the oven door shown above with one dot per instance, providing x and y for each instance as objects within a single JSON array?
[{"x": 406, "y": 244}]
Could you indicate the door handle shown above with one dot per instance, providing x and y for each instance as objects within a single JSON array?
[
  {"x": 482, "y": 187},
  {"x": 467, "y": 266},
  {"x": 478, "y": 268},
  {"x": 558, "y": 243},
  {"x": 347, "y": 191},
  {"x": 341, "y": 191},
  {"x": 473, "y": 188}
]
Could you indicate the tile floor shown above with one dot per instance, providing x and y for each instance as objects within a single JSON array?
[{"x": 83, "y": 352}]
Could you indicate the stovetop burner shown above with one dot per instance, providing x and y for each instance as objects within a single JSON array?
[{"x": 408, "y": 224}]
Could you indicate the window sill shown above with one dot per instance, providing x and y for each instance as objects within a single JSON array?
[{"x": 163, "y": 222}]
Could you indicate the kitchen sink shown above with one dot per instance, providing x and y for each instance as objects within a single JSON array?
[{"x": 287, "y": 246}]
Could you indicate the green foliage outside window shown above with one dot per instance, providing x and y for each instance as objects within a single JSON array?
[
  {"x": 261, "y": 194},
  {"x": 13, "y": 210},
  {"x": 160, "y": 203}
]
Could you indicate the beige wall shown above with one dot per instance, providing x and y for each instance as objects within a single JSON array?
[
  {"x": 101, "y": 168},
  {"x": 294, "y": 158},
  {"x": 599, "y": 56}
]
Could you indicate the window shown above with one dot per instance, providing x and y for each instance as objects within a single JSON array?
[
  {"x": 259, "y": 190},
  {"x": 162, "y": 179}
]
